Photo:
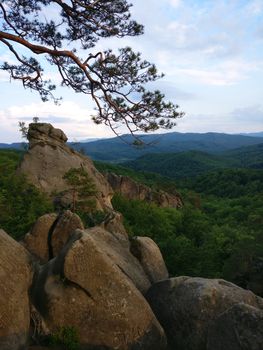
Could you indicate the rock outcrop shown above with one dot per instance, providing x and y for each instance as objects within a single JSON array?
[
  {"x": 36, "y": 241},
  {"x": 186, "y": 307},
  {"x": 134, "y": 190},
  {"x": 150, "y": 258},
  {"x": 15, "y": 281},
  {"x": 238, "y": 328},
  {"x": 66, "y": 225},
  {"x": 49, "y": 159},
  {"x": 50, "y": 233},
  {"x": 84, "y": 287},
  {"x": 119, "y": 253}
]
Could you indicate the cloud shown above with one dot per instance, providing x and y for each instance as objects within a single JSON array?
[
  {"x": 255, "y": 7},
  {"x": 4, "y": 76},
  {"x": 73, "y": 119},
  {"x": 175, "y": 3},
  {"x": 226, "y": 73},
  {"x": 171, "y": 91},
  {"x": 251, "y": 114},
  {"x": 242, "y": 120}
]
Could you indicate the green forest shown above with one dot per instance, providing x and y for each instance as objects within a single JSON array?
[
  {"x": 20, "y": 203},
  {"x": 217, "y": 233}
]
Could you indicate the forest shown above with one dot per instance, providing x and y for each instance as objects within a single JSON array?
[{"x": 217, "y": 233}]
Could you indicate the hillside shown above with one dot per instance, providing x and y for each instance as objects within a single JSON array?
[
  {"x": 194, "y": 163},
  {"x": 247, "y": 157},
  {"x": 115, "y": 150},
  {"x": 216, "y": 233},
  {"x": 118, "y": 150},
  {"x": 178, "y": 165}
]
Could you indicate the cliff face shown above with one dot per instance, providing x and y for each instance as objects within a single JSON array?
[
  {"x": 49, "y": 158},
  {"x": 133, "y": 190}
]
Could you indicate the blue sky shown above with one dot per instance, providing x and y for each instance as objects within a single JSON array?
[{"x": 210, "y": 51}]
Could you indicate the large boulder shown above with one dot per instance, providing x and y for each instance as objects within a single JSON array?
[
  {"x": 114, "y": 224},
  {"x": 49, "y": 159},
  {"x": 150, "y": 258},
  {"x": 15, "y": 280},
  {"x": 119, "y": 253},
  {"x": 36, "y": 241},
  {"x": 134, "y": 190},
  {"x": 238, "y": 328},
  {"x": 66, "y": 225},
  {"x": 84, "y": 288},
  {"x": 50, "y": 233},
  {"x": 186, "y": 307}
]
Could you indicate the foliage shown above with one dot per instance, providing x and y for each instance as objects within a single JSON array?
[
  {"x": 92, "y": 218},
  {"x": 20, "y": 203},
  {"x": 230, "y": 183},
  {"x": 195, "y": 163},
  {"x": 65, "y": 336},
  {"x": 23, "y": 128},
  {"x": 115, "y": 80},
  {"x": 179, "y": 165},
  {"x": 218, "y": 233},
  {"x": 82, "y": 187}
]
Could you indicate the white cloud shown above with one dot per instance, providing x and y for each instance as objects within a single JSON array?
[
  {"x": 74, "y": 120},
  {"x": 4, "y": 76},
  {"x": 252, "y": 114},
  {"x": 243, "y": 120},
  {"x": 175, "y": 3},
  {"x": 226, "y": 73},
  {"x": 255, "y": 7}
]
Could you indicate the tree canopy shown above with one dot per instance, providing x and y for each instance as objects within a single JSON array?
[{"x": 66, "y": 33}]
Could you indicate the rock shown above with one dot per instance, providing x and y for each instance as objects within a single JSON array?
[
  {"x": 49, "y": 159},
  {"x": 134, "y": 190},
  {"x": 45, "y": 132},
  {"x": 84, "y": 288},
  {"x": 187, "y": 306},
  {"x": 50, "y": 233},
  {"x": 238, "y": 328},
  {"x": 15, "y": 280},
  {"x": 119, "y": 253},
  {"x": 37, "y": 240},
  {"x": 114, "y": 224},
  {"x": 66, "y": 225},
  {"x": 150, "y": 257}
]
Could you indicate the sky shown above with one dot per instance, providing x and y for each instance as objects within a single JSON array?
[{"x": 211, "y": 53}]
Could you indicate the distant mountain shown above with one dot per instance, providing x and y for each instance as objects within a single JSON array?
[
  {"x": 116, "y": 150},
  {"x": 253, "y": 134},
  {"x": 194, "y": 163},
  {"x": 16, "y": 145}
]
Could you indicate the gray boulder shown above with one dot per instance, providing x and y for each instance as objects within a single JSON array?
[
  {"x": 186, "y": 307},
  {"x": 238, "y": 328}
]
